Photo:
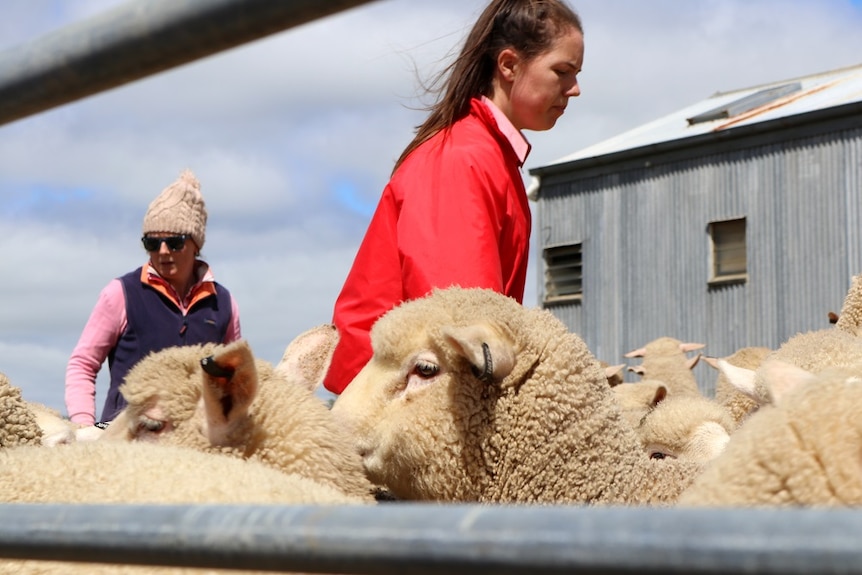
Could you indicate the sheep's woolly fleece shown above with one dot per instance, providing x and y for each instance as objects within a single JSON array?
[
  {"x": 143, "y": 473},
  {"x": 470, "y": 396},
  {"x": 803, "y": 450},
  {"x": 139, "y": 472},
  {"x": 18, "y": 424},
  {"x": 850, "y": 318},
  {"x": 254, "y": 413}
]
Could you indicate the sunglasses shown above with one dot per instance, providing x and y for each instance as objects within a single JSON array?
[{"x": 175, "y": 243}]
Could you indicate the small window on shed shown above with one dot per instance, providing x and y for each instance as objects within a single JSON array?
[
  {"x": 563, "y": 273},
  {"x": 729, "y": 261}
]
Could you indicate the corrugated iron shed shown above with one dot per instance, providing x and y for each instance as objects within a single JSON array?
[{"x": 782, "y": 158}]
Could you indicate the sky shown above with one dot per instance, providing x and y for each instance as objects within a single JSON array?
[{"x": 293, "y": 138}]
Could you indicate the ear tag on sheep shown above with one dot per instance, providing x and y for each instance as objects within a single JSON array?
[
  {"x": 487, "y": 373},
  {"x": 210, "y": 366}
]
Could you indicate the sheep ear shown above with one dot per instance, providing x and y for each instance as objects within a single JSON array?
[
  {"x": 614, "y": 372},
  {"x": 740, "y": 378},
  {"x": 691, "y": 363},
  {"x": 307, "y": 357},
  {"x": 711, "y": 361},
  {"x": 687, "y": 347},
  {"x": 781, "y": 378},
  {"x": 638, "y": 369},
  {"x": 491, "y": 355},
  {"x": 229, "y": 386},
  {"x": 660, "y": 395},
  {"x": 639, "y": 352}
]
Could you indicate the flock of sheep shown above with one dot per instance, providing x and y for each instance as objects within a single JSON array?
[{"x": 469, "y": 397}]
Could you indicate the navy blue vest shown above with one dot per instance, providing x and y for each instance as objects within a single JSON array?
[{"x": 154, "y": 323}]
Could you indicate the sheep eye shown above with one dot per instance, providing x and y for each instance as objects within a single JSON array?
[
  {"x": 657, "y": 455},
  {"x": 151, "y": 425},
  {"x": 426, "y": 369}
]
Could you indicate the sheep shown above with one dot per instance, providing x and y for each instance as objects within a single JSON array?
[
  {"x": 25, "y": 422},
  {"x": 469, "y": 396},
  {"x": 849, "y": 319},
  {"x": 105, "y": 472},
  {"x": 686, "y": 427},
  {"x": 218, "y": 397},
  {"x": 738, "y": 404},
  {"x": 665, "y": 359},
  {"x": 802, "y": 450},
  {"x": 19, "y": 425},
  {"x": 141, "y": 472},
  {"x": 811, "y": 351}
]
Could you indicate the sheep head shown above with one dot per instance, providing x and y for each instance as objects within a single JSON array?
[
  {"x": 445, "y": 362},
  {"x": 686, "y": 427},
  {"x": 220, "y": 398},
  {"x": 470, "y": 396},
  {"x": 192, "y": 395}
]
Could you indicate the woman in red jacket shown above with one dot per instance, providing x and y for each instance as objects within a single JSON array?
[{"x": 455, "y": 211}]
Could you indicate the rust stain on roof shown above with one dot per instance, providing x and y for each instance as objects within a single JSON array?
[{"x": 777, "y": 104}]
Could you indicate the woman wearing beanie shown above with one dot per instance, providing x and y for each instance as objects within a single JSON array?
[{"x": 172, "y": 300}]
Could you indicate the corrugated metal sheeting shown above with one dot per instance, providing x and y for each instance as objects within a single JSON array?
[{"x": 646, "y": 248}]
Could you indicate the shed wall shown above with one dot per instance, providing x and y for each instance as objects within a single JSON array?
[{"x": 646, "y": 248}]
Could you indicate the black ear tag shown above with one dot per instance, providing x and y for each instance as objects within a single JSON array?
[
  {"x": 487, "y": 373},
  {"x": 210, "y": 366}
]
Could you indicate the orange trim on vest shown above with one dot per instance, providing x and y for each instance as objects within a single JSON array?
[{"x": 200, "y": 290}]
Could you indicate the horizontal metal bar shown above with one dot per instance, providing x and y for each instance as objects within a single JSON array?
[
  {"x": 138, "y": 39},
  {"x": 438, "y": 539}
]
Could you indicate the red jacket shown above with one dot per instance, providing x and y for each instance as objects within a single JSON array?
[{"x": 454, "y": 213}]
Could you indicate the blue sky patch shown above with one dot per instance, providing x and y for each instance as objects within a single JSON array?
[
  {"x": 349, "y": 196},
  {"x": 35, "y": 198}
]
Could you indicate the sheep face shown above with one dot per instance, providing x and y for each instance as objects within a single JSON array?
[{"x": 420, "y": 395}]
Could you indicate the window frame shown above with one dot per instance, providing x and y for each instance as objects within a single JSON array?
[
  {"x": 724, "y": 240},
  {"x": 563, "y": 260}
]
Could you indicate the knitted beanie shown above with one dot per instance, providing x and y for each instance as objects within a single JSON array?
[{"x": 179, "y": 209}]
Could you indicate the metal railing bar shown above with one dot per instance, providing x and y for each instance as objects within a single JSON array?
[
  {"x": 139, "y": 39},
  {"x": 440, "y": 538}
]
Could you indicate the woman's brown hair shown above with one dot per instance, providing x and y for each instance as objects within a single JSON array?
[{"x": 530, "y": 27}]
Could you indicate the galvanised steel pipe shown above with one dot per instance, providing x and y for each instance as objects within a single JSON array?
[
  {"x": 138, "y": 39},
  {"x": 441, "y": 538}
]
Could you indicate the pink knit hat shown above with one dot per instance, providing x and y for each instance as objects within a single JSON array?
[{"x": 179, "y": 209}]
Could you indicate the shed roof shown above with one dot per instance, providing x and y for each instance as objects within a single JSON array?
[{"x": 726, "y": 111}]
